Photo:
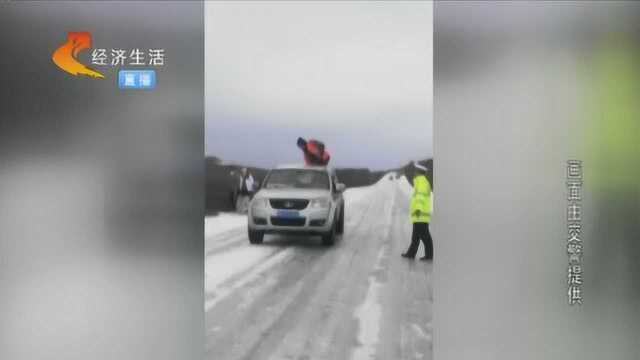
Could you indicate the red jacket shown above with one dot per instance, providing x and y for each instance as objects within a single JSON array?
[{"x": 314, "y": 152}]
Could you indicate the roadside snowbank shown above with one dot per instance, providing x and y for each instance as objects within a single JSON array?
[{"x": 223, "y": 222}]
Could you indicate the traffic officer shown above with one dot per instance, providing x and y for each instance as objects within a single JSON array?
[{"x": 420, "y": 214}]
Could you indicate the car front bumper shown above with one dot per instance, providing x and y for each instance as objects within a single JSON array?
[{"x": 308, "y": 221}]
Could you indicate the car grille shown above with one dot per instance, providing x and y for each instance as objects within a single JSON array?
[
  {"x": 289, "y": 204},
  {"x": 277, "y": 221}
]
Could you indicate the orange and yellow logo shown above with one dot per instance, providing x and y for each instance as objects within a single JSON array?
[{"x": 66, "y": 56}]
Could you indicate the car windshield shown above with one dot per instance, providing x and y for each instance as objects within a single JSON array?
[{"x": 297, "y": 178}]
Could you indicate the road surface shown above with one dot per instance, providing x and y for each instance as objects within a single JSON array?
[{"x": 292, "y": 298}]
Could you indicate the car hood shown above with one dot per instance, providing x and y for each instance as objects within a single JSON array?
[{"x": 292, "y": 193}]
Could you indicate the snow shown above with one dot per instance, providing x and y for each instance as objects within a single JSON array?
[
  {"x": 218, "y": 230},
  {"x": 369, "y": 314},
  {"x": 405, "y": 186},
  {"x": 241, "y": 278},
  {"x": 232, "y": 269},
  {"x": 356, "y": 194},
  {"x": 216, "y": 225},
  {"x": 254, "y": 260}
]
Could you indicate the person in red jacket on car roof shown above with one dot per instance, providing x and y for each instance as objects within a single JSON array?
[{"x": 314, "y": 152}]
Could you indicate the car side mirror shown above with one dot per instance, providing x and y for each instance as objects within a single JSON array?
[{"x": 340, "y": 187}]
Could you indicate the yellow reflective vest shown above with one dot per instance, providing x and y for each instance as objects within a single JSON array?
[{"x": 421, "y": 200}]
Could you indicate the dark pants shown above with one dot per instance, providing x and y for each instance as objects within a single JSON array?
[{"x": 421, "y": 231}]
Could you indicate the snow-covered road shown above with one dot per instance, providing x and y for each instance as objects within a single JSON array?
[{"x": 292, "y": 298}]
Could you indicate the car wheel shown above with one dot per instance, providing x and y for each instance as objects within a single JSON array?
[
  {"x": 256, "y": 236},
  {"x": 340, "y": 228},
  {"x": 329, "y": 238}
]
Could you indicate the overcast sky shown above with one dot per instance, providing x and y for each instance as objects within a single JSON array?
[{"x": 358, "y": 76}]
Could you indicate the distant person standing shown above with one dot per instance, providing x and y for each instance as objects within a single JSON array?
[
  {"x": 420, "y": 214},
  {"x": 245, "y": 191}
]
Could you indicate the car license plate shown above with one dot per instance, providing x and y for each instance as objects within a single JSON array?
[{"x": 288, "y": 214}]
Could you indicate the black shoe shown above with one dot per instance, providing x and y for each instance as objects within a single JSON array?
[
  {"x": 424, "y": 258},
  {"x": 405, "y": 255}
]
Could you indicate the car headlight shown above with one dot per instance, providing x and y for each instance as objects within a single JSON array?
[
  {"x": 320, "y": 203},
  {"x": 259, "y": 203}
]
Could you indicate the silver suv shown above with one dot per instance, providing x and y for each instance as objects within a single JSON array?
[{"x": 298, "y": 199}]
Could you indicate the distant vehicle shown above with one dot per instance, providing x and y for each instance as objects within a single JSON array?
[{"x": 298, "y": 199}]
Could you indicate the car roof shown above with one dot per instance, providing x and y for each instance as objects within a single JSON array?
[{"x": 304, "y": 167}]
